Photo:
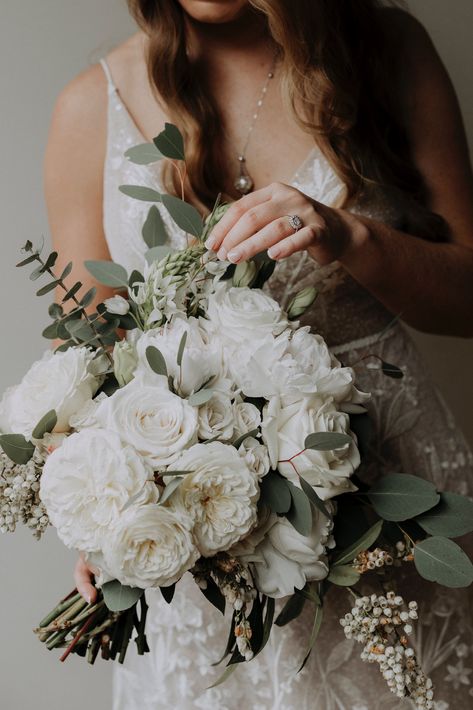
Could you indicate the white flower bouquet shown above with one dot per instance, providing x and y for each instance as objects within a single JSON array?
[{"x": 216, "y": 440}]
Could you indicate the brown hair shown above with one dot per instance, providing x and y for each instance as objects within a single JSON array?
[{"x": 335, "y": 64}]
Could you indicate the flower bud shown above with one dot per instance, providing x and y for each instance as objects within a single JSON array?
[
  {"x": 117, "y": 305},
  {"x": 301, "y": 302},
  {"x": 245, "y": 273},
  {"x": 125, "y": 361}
]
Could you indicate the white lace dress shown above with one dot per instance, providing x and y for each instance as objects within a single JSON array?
[{"x": 415, "y": 433}]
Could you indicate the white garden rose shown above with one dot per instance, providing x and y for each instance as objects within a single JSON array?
[
  {"x": 285, "y": 560},
  {"x": 284, "y": 430},
  {"x": 87, "y": 481},
  {"x": 63, "y": 381},
  {"x": 201, "y": 359},
  {"x": 243, "y": 315},
  {"x": 158, "y": 423},
  {"x": 117, "y": 305},
  {"x": 247, "y": 418},
  {"x": 295, "y": 363},
  {"x": 216, "y": 418},
  {"x": 149, "y": 546},
  {"x": 256, "y": 456},
  {"x": 220, "y": 495}
]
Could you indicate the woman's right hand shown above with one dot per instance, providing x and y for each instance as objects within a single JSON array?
[{"x": 84, "y": 579}]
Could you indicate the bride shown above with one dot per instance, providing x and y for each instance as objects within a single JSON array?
[{"x": 339, "y": 112}]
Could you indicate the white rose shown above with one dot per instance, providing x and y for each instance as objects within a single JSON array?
[
  {"x": 86, "y": 482},
  {"x": 149, "y": 546},
  {"x": 256, "y": 456},
  {"x": 117, "y": 305},
  {"x": 158, "y": 423},
  {"x": 201, "y": 360},
  {"x": 247, "y": 418},
  {"x": 63, "y": 381},
  {"x": 284, "y": 430},
  {"x": 285, "y": 560},
  {"x": 216, "y": 418},
  {"x": 241, "y": 315},
  {"x": 220, "y": 495}
]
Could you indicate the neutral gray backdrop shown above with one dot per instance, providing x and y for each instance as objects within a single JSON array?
[{"x": 42, "y": 46}]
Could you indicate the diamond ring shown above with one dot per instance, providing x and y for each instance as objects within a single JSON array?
[{"x": 295, "y": 221}]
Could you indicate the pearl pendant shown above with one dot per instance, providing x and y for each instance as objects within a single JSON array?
[{"x": 243, "y": 184}]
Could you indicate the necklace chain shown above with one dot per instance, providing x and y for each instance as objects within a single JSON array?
[{"x": 244, "y": 182}]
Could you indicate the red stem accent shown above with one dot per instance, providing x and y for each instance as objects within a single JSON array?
[
  {"x": 68, "y": 596},
  {"x": 76, "y": 638}
]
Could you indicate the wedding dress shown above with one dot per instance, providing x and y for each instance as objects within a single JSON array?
[{"x": 415, "y": 433}]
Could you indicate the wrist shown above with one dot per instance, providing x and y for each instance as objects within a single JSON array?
[{"x": 357, "y": 233}]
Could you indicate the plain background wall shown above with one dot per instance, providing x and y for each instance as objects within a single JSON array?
[{"x": 42, "y": 46}]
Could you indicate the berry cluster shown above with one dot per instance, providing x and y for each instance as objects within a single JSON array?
[
  {"x": 19, "y": 496},
  {"x": 382, "y": 624}
]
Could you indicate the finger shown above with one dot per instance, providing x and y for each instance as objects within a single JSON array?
[
  {"x": 270, "y": 235},
  {"x": 233, "y": 214},
  {"x": 300, "y": 240},
  {"x": 83, "y": 579},
  {"x": 253, "y": 220}
]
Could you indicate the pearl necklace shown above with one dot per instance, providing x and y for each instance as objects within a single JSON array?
[{"x": 243, "y": 181}]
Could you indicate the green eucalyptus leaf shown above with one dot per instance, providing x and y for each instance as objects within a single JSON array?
[
  {"x": 214, "y": 595},
  {"x": 182, "y": 345},
  {"x": 87, "y": 299},
  {"x": 317, "y": 623},
  {"x": 72, "y": 291},
  {"x": 400, "y": 496},
  {"x": 229, "y": 670},
  {"x": 184, "y": 215},
  {"x": 137, "y": 192},
  {"x": 157, "y": 253},
  {"x": 300, "y": 512},
  {"x": 143, "y": 154},
  {"x": 452, "y": 517},
  {"x": 17, "y": 448},
  {"x": 363, "y": 543},
  {"x": 36, "y": 273},
  {"x": 238, "y": 442},
  {"x": 291, "y": 610},
  {"x": 156, "y": 361},
  {"x": 119, "y": 597},
  {"x": 343, "y": 576},
  {"x": 108, "y": 273},
  {"x": 28, "y": 260},
  {"x": 172, "y": 486},
  {"x": 441, "y": 560},
  {"x": 50, "y": 261},
  {"x": 170, "y": 142},
  {"x": 45, "y": 425},
  {"x": 313, "y": 497},
  {"x": 154, "y": 230},
  {"x": 48, "y": 288},
  {"x": 50, "y": 332},
  {"x": 201, "y": 397},
  {"x": 275, "y": 493},
  {"x": 67, "y": 270},
  {"x": 327, "y": 441},
  {"x": 55, "y": 310},
  {"x": 79, "y": 330}
]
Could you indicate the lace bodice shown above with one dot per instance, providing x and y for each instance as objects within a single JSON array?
[{"x": 360, "y": 316}]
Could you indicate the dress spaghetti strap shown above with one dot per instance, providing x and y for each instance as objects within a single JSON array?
[{"x": 111, "y": 85}]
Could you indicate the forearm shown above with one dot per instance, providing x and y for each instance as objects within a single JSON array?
[{"x": 430, "y": 284}]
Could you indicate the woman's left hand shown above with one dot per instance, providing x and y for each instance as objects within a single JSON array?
[{"x": 260, "y": 221}]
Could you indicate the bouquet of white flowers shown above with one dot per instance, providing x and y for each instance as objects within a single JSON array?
[{"x": 214, "y": 439}]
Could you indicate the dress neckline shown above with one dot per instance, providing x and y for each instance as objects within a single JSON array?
[{"x": 315, "y": 151}]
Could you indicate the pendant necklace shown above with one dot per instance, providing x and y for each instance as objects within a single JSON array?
[{"x": 243, "y": 181}]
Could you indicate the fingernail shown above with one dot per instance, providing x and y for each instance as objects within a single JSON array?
[
  {"x": 234, "y": 255},
  {"x": 210, "y": 243},
  {"x": 222, "y": 254},
  {"x": 274, "y": 252}
]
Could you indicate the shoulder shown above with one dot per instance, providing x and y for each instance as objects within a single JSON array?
[{"x": 408, "y": 41}]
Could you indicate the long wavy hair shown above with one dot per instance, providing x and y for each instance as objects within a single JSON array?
[{"x": 335, "y": 64}]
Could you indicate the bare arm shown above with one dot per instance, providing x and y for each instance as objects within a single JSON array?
[
  {"x": 73, "y": 174},
  {"x": 73, "y": 177}
]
